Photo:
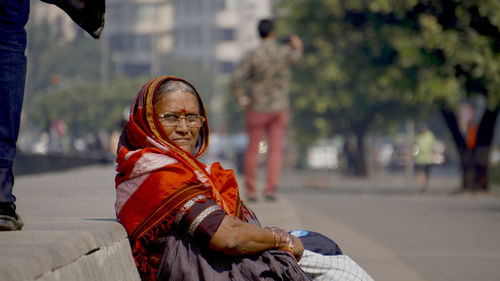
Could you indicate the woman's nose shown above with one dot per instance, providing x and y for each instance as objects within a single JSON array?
[{"x": 182, "y": 126}]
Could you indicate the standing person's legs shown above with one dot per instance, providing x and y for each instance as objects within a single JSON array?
[
  {"x": 425, "y": 181},
  {"x": 13, "y": 17},
  {"x": 256, "y": 123},
  {"x": 422, "y": 176},
  {"x": 276, "y": 133}
]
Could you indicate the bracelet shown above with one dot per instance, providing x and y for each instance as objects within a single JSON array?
[
  {"x": 290, "y": 242},
  {"x": 285, "y": 243},
  {"x": 275, "y": 241},
  {"x": 282, "y": 235},
  {"x": 285, "y": 240},
  {"x": 288, "y": 247}
]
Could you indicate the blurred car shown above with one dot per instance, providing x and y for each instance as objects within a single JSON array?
[{"x": 324, "y": 155}]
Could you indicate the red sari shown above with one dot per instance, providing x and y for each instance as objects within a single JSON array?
[{"x": 155, "y": 178}]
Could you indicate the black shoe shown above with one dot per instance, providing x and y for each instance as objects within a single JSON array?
[
  {"x": 252, "y": 199},
  {"x": 270, "y": 198},
  {"x": 9, "y": 219}
]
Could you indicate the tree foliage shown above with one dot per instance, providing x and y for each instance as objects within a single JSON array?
[
  {"x": 86, "y": 107},
  {"x": 52, "y": 60},
  {"x": 371, "y": 62}
]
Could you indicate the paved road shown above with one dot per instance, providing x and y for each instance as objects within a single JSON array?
[
  {"x": 384, "y": 223},
  {"x": 438, "y": 235}
]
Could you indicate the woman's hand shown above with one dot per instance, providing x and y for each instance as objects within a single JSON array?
[{"x": 298, "y": 247}]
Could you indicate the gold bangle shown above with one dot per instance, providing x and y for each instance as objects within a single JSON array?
[
  {"x": 282, "y": 235},
  {"x": 275, "y": 242},
  {"x": 290, "y": 242}
]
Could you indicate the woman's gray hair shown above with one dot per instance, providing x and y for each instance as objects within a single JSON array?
[{"x": 172, "y": 86}]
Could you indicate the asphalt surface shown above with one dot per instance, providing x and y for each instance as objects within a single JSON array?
[{"x": 383, "y": 222}]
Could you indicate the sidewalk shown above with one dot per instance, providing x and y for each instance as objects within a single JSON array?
[
  {"x": 71, "y": 233},
  {"x": 381, "y": 263},
  {"x": 394, "y": 231},
  {"x": 70, "y": 230}
]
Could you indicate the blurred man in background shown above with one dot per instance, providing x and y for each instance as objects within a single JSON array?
[
  {"x": 13, "y": 17},
  {"x": 266, "y": 102}
]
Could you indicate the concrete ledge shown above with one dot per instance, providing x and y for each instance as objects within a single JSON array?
[
  {"x": 101, "y": 252},
  {"x": 106, "y": 263},
  {"x": 70, "y": 230}
]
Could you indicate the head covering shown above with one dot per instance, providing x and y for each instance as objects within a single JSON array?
[
  {"x": 144, "y": 128},
  {"x": 155, "y": 177}
]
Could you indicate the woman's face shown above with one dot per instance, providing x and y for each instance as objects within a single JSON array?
[{"x": 182, "y": 103}]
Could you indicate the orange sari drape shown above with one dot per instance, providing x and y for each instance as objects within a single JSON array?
[{"x": 155, "y": 178}]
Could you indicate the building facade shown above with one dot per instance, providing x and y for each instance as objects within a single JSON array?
[
  {"x": 217, "y": 33},
  {"x": 137, "y": 32},
  {"x": 213, "y": 34}
]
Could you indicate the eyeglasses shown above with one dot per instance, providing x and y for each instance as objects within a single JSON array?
[{"x": 173, "y": 120}]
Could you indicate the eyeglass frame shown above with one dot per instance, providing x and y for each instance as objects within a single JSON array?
[{"x": 182, "y": 116}]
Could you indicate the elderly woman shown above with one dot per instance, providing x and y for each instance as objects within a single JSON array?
[{"x": 185, "y": 220}]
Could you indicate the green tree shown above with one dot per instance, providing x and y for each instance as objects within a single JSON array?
[
  {"x": 86, "y": 107},
  {"x": 53, "y": 61},
  {"x": 348, "y": 81},
  {"x": 371, "y": 62},
  {"x": 459, "y": 41}
]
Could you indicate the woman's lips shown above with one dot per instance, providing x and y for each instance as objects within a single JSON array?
[{"x": 181, "y": 140}]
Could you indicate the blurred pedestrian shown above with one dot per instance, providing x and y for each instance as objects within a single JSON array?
[
  {"x": 348, "y": 152},
  {"x": 266, "y": 102},
  {"x": 13, "y": 17},
  {"x": 425, "y": 142}
]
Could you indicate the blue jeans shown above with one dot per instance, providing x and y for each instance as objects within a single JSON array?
[{"x": 13, "y": 17}]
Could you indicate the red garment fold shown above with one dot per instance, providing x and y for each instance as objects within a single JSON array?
[{"x": 155, "y": 178}]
